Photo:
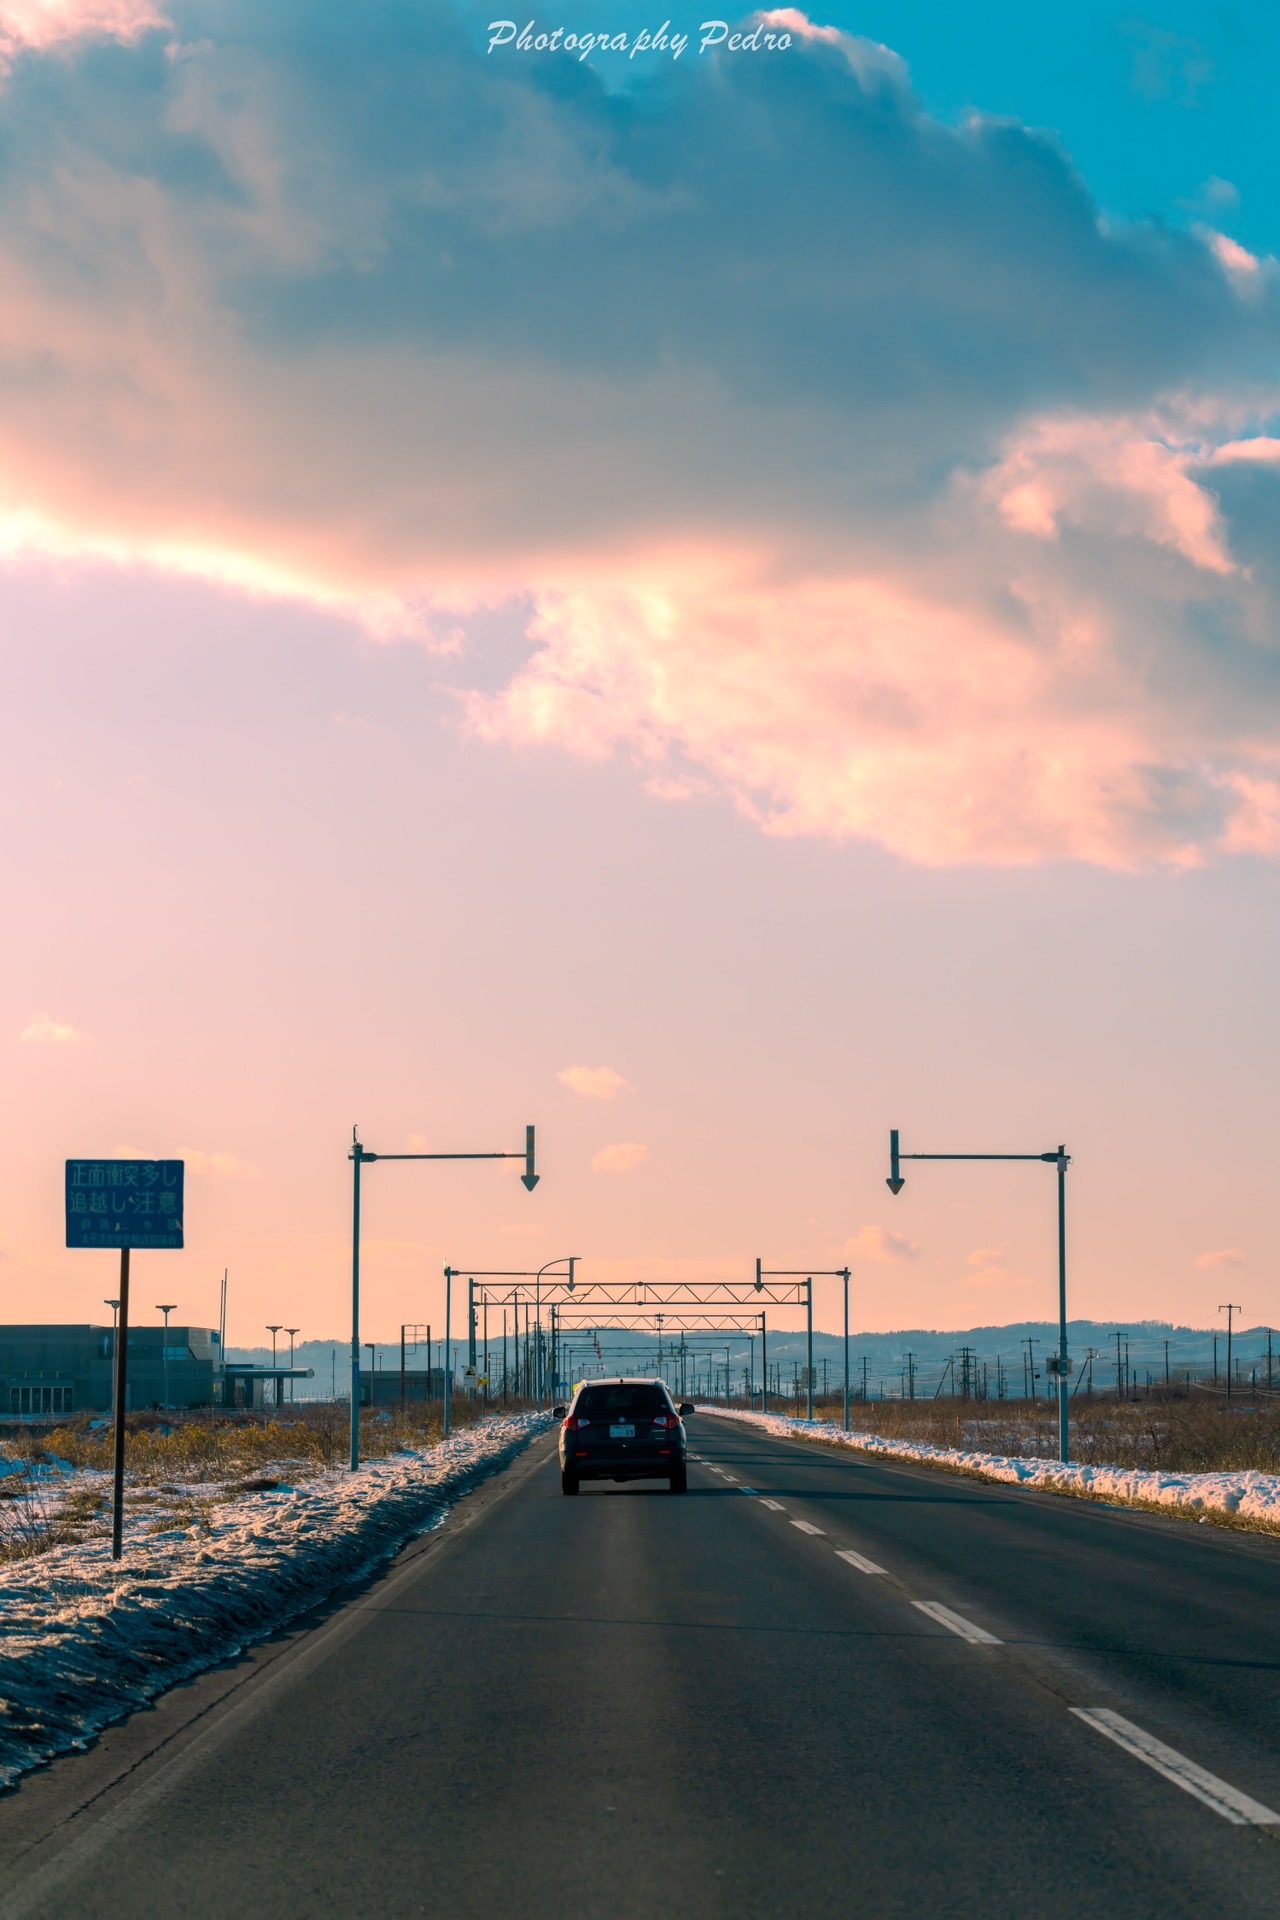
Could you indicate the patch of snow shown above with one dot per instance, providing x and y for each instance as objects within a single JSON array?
[
  {"x": 1253, "y": 1496},
  {"x": 85, "y": 1639}
]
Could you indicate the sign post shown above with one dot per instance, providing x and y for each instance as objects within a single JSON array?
[{"x": 123, "y": 1204}]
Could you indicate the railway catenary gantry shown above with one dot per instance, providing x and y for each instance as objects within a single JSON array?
[{"x": 575, "y": 1300}]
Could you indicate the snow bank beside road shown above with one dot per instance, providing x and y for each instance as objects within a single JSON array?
[
  {"x": 84, "y": 1639},
  {"x": 1251, "y": 1496}
]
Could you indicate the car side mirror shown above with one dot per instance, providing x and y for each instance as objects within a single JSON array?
[
  {"x": 558, "y": 1413},
  {"x": 687, "y": 1406}
]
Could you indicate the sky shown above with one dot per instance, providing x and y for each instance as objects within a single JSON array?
[{"x": 716, "y": 605}]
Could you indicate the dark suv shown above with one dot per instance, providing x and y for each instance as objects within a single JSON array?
[{"x": 622, "y": 1430}]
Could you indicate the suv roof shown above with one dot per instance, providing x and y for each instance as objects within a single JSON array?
[{"x": 622, "y": 1380}]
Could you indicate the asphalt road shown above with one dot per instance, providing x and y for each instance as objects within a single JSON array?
[{"x": 629, "y": 1705}]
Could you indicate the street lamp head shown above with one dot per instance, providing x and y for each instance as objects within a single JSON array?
[
  {"x": 895, "y": 1186},
  {"x": 528, "y": 1179},
  {"x": 895, "y": 1182}
]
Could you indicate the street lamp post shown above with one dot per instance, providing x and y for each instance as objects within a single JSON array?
[
  {"x": 164, "y": 1358},
  {"x": 292, "y": 1332},
  {"x": 360, "y": 1156},
  {"x": 273, "y": 1331},
  {"x": 115, "y": 1321},
  {"x": 1058, "y": 1365}
]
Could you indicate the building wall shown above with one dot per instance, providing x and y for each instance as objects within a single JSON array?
[
  {"x": 52, "y": 1369},
  {"x": 382, "y": 1389}
]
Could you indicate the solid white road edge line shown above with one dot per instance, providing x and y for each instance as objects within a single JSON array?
[
  {"x": 807, "y": 1526},
  {"x": 1226, "y": 1800},
  {"x": 857, "y": 1560},
  {"x": 956, "y": 1623}
]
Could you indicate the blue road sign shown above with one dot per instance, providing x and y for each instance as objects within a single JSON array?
[{"x": 124, "y": 1203}]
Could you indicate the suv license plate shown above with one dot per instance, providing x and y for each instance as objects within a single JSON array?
[{"x": 622, "y": 1433}]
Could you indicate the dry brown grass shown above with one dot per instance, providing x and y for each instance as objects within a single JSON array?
[
  {"x": 210, "y": 1446},
  {"x": 1169, "y": 1433}
]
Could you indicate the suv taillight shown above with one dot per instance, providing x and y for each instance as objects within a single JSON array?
[
  {"x": 666, "y": 1420},
  {"x": 574, "y": 1421}
]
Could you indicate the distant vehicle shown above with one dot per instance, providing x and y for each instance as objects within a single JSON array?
[{"x": 623, "y": 1430}]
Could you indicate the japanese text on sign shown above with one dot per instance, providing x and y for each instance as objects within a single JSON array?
[{"x": 124, "y": 1203}]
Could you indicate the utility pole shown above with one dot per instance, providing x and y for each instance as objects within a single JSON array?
[
  {"x": 1166, "y": 1366},
  {"x": 1231, "y": 1312},
  {"x": 164, "y": 1358},
  {"x": 1119, "y": 1373},
  {"x": 967, "y": 1380},
  {"x": 911, "y": 1374}
]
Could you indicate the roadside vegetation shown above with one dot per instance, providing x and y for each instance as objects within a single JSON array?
[
  {"x": 181, "y": 1466},
  {"x": 1178, "y": 1431}
]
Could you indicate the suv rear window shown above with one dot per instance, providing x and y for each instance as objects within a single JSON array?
[{"x": 626, "y": 1402}]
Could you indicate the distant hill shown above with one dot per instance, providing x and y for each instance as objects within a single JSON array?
[{"x": 998, "y": 1355}]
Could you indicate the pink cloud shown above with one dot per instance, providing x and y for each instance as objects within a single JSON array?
[
  {"x": 37, "y": 26},
  {"x": 1223, "y": 1257},
  {"x": 869, "y": 59},
  {"x": 594, "y": 1083},
  {"x": 220, "y": 1165},
  {"x": 1114, "y": 476},
  {"x": 43, "y": 1030},
  {"x": 623, "y": 1157},
  {"x": 878, "y": 1245},
  {"x": 943, "y": 724},
  {"x": 1264, "y": 450}
]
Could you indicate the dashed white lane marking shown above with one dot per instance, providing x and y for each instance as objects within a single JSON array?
[
  {"x": 776, "y": 1505},
  {"x": 1233, "y": 1805},
  {"x": 807, "y": 1526},
  {"x": 857, "y": 1560},
  {"x": 956, "y": 1623}
]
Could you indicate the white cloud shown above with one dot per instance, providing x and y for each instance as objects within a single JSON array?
[
  {"x": 43, "y": 1029},
  {"x": 623, "y": 1157},
  {"x": 1223, "y": 1257},
  {"x": 594, "y": 1083}
]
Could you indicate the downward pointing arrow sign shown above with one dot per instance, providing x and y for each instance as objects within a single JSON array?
[
  {"x": 530, "y": 1180},
  {"x": 895, "y": 1186}
]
